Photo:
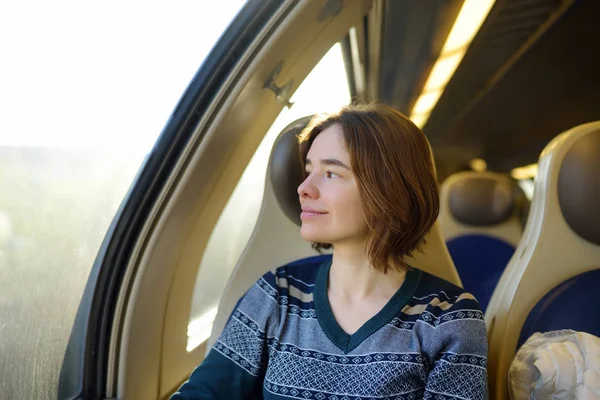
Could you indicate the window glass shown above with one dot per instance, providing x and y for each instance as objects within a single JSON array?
[
  {"x": 324, "y": 89},
  {"x": 85, "y": 89}
]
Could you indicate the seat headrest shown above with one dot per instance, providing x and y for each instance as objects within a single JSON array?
[
  {"x": 285, "y": 168},
  {"x": 481, "y": 200},
  {"x": 579, "y": 187}
]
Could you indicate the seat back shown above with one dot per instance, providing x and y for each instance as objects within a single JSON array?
[
  {"x": 481, "y": 220},
  {"x": 551, "y": 280},
  {"x": 276, "y": 238}
]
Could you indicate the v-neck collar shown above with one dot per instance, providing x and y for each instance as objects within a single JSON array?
[{"x": 334, "y": 331}]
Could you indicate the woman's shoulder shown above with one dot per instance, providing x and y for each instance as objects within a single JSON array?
[
  {"x": 433, "y": 284},
  {"x": 301, "y": 273},
  {"x": 444, "y": 297}
]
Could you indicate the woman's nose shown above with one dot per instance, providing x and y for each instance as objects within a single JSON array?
[{"x": 307, "y": 189}]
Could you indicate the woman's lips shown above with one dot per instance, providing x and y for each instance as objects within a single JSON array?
[{"x": 310, "y": 213}]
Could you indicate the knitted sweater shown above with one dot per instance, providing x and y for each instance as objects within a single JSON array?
[{"x": 283, "y": 342}]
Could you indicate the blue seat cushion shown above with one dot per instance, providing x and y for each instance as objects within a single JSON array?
[
  {"x": 570, "y": 305},
  {"x": 480, "y": 261}
]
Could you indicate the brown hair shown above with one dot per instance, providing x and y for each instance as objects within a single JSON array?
[{"x": 392, "y": 162}]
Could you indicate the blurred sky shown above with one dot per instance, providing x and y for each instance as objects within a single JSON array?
[{"x": 80, "y": 74}]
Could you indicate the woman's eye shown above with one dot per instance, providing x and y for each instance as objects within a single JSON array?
[{"x": 331, "y": 175}]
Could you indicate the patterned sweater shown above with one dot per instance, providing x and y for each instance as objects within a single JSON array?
[{"x": 283, "y": 342}]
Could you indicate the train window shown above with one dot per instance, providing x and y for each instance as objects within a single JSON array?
[
  {"x": 86, "y": 89},
  {"x": 324, "y": 89}
]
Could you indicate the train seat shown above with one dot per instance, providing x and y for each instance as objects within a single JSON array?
[
  {"x": 481, "y": 220},
  {"x": 552, "y": 281}
]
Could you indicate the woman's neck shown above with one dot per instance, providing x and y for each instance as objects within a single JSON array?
[{"x": 352, "y": 277}]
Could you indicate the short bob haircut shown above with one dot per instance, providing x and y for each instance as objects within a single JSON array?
[{"x": 392, "y": 162}]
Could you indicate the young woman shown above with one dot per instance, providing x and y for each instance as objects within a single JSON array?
[{"x": 362, "y": 324}]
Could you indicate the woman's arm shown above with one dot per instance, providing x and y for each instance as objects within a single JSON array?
[
  {"x": 456, "y": 342},
  {"x": 219, "y": 377},
  {"x": 235, "y": 367}
]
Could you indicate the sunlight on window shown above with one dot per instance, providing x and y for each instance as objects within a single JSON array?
[
  {"x": 85, "y": 90},
  {"x": 324, "y": 90},
  {"x": 100, "y": 75},
  {"x": 199, "y": 329}
]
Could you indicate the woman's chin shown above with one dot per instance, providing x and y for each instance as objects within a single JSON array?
[{"x": 310, "y": 235}]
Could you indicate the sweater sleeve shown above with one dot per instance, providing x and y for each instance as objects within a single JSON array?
[
  {"x": 456, "y": 346},
  {"x": 235, "y": 366}
]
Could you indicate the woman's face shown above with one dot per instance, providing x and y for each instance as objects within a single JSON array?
[{"x": 331, "y": 206}]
